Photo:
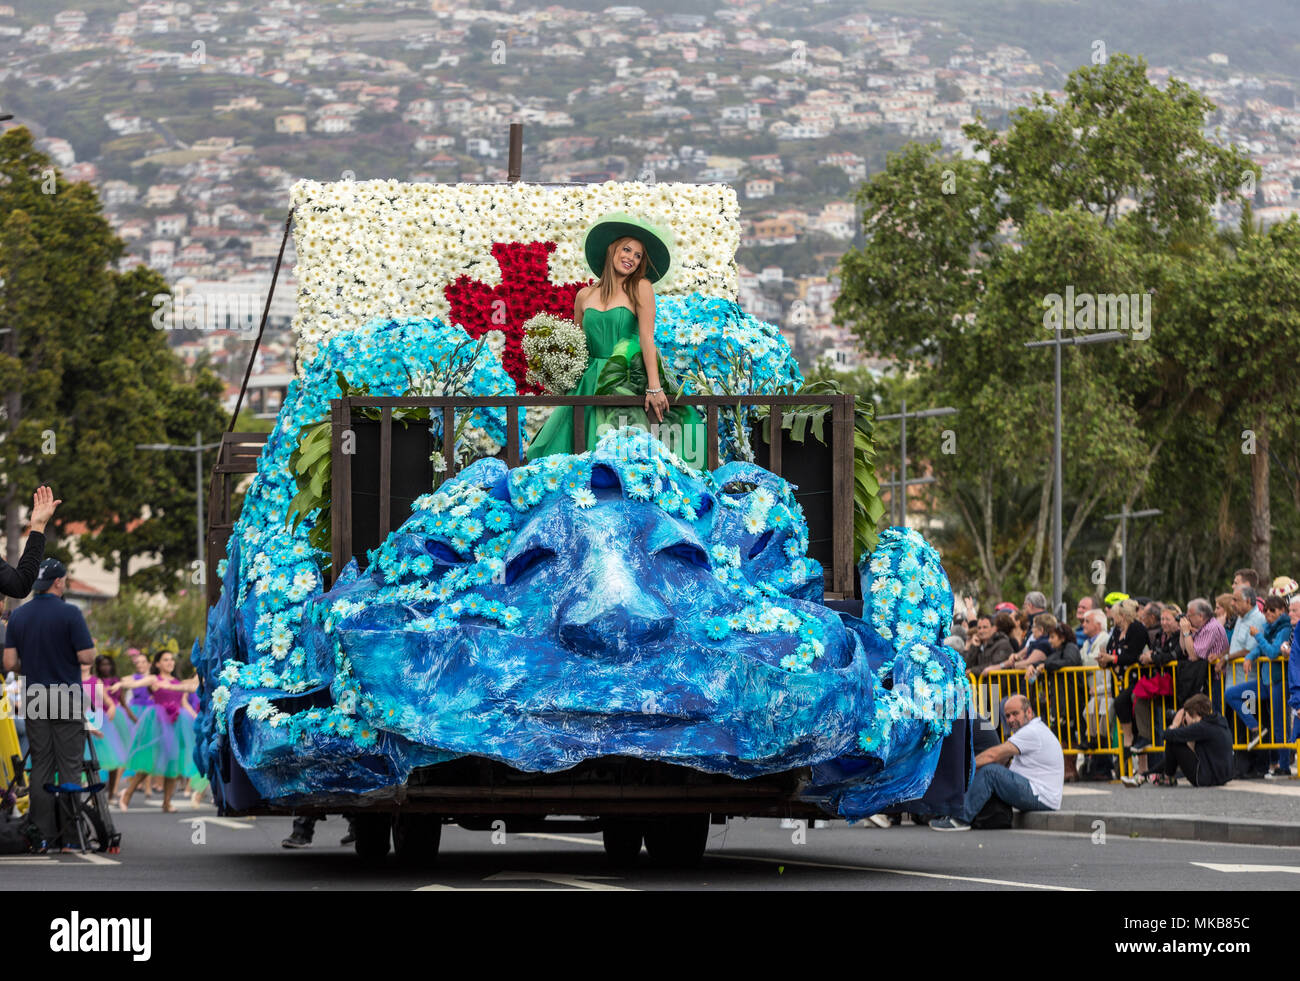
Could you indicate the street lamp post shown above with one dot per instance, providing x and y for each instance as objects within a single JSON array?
[
  {"x": 892, "y": 487},
  {"x": 1058, "y": 558},
  {"x": 903, "y": 483},
  {"x": 1122, "y": 518},
  {"x": 197, "y": 449}
]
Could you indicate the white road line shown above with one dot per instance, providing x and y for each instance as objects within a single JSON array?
[
  {"x": 1071, "y": 791},
  {"x": 580, "y": 883},
  {"x": 827, "y": 865},
  {"x": 569, "y": 838},
  {"x": 1220, "y": 867},
  {"x": 94, "y": 858},
  {"x": 436, "y": 887},
  {"x": 234, "y": 823},
  {"x": 1260, "y": 787},
  {"x": 871, "y": 868},
  {"x": 588, "y": 882},
  {"x": 28, "y": 860}
]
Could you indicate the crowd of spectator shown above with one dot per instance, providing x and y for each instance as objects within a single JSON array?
[{"x": 1161, "y": 677}]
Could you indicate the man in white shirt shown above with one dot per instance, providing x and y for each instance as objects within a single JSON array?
[{"x": 1033, "y": 778}]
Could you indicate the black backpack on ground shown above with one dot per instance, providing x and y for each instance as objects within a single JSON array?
[
  {"x": 995, "y": 815},
  {"x": 1096, "y": 767},
  {"x": 16, "y": 835}
]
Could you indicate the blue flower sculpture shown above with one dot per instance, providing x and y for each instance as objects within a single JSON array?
[{"x": 614, "y": 602}]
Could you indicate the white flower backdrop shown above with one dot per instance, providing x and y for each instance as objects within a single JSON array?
[{"x": 369, "y": 249}]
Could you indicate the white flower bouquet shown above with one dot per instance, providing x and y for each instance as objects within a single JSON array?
[{"x": 556, "y": 352}]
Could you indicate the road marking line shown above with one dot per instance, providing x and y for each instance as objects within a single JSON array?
[
  {"x": 1260, "y": 787},
  {"x": 568, "y": 838},
  {"x": 851, "y": 868},
  {"x": 870, "y": 868},
  {"x": 441, "y": 888},
  {"x": 1071, "y": 791},
  {"x": 588, "y": 882},
  {"x": 1221, "y": 867},
  {"x": 579, "y": 883},
  {"x": 219, "y": 822},
  {"x": 94, "y": 858}
]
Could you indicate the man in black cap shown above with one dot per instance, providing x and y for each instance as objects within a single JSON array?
[
  {"x": 50, "y": 637},
  {"x": 17, "y": 582}
]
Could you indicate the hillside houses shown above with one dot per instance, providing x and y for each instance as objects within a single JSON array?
[{"x": 636, "y": 94}]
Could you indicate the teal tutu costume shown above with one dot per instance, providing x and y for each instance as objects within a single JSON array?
[
  {"x": 111, "y": 747},
  {"x": 164, "y": 739}
]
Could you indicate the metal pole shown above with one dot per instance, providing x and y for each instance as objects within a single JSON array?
[
  {"x": 514, "y": 160},
  {"x": 1123, "y": 553},
  {"x": 1058, "y": 563},
  {"x": 902, "y": 472},
  {"x": 198, "y": 492}
]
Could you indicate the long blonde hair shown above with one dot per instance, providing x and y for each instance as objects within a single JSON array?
[{"x": 607, "y": 283}]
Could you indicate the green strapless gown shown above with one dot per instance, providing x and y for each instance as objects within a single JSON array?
[{"x": 610, "y": 331}]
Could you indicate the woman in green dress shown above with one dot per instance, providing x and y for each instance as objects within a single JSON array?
[{"x": 617, "y": 316}]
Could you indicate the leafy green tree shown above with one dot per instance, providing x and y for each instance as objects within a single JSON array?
[
  {"x": 89, "y": 377},
  {"x": 1106, "y": 193},
  {"x": 1246, "y": 306},
  {"x": 1115, "y": 136}
]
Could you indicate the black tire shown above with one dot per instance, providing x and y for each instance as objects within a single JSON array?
[
  {"x": 678, "y": 841},
  {"x": 416, "y": 838},
  {"x": 373, "y": 833},
  {"x": 622, "y": 841}
]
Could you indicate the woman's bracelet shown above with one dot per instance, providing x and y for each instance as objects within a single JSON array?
[{"x": 654, "y": 391}]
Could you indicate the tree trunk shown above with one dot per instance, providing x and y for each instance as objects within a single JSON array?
[
  {"x": 987, "y": 566},
  {"x": 1260, "y": 516},
  {"x": 1081, "y": 512},
  {"x": 1040, "y": 532},
  {"x": 995, "y": 581}
]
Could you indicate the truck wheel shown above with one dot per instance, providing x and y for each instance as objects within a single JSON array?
[
  {"x": 678, "y": 841},
  {"x": 416, "y": 838},
  {"x": 622, "y": 841},
  {"x": 373, "y": 832}
]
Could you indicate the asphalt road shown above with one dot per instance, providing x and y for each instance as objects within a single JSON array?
[{"x": 193, "y": 849}]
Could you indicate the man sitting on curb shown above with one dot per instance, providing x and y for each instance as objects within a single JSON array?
[{"x": 1031, "y": 782}]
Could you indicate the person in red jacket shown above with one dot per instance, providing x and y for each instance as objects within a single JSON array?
[{"x": 17, "y": 581}]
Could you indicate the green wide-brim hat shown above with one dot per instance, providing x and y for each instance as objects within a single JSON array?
[{"x": 607, "y": 228}]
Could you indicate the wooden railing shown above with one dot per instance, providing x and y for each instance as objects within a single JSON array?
[
  {"x": 238, "y": 455},
  {"x": 839, "y": 576}
]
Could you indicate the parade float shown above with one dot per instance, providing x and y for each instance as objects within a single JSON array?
[{"x": 411, "y": 623}]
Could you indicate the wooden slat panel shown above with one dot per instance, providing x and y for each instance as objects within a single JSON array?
[
  {"x": 385, "y": 472},
  {"x": 774, "y": 438},
  {"x": 579, "y": 429},
  {"x": 711, "y": 434},
  {"x": 449, "y": 438},
  {"x": 512, "y": 436},
  {"x": 842, "y": 494},
  {"x": 341, "y": 487}
]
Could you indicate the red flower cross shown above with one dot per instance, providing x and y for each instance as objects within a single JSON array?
[{"x": 525, "y": 291}]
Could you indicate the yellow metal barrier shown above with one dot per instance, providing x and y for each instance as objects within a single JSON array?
[
  {"x": 1077, "y": 704},
  {"x": 9, "y": 746}
]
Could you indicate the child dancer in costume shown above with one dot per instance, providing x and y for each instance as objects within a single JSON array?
[
  {"x": 138, "y": 699},
  {"x": 164, "y": 739},
  {"x": 101, "y": 713}
]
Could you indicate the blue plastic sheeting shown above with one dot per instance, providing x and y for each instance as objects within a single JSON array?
[{"x": 609, "y": 603}]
